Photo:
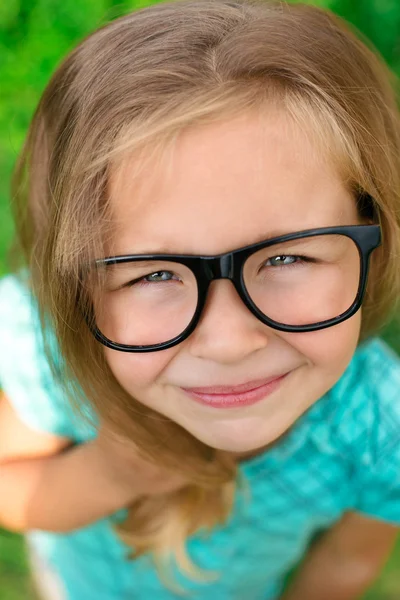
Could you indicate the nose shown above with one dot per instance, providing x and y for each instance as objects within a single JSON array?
[{"x": 227, "y": 331}]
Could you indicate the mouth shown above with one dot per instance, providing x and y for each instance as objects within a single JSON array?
[{"x": 235, "y": 396}]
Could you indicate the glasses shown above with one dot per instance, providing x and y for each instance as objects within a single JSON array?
[{"x": 298, "y": 282}]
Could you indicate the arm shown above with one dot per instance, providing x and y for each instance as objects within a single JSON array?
[
  {"x": 61, "y": 492},
  {"x": 48, "y": 483},
  {"x": 17, "y": 440},
  {"x": 345, "y": 562}
]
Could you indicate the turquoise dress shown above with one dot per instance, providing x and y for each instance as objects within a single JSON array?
[{"x": 342, "y": 455}]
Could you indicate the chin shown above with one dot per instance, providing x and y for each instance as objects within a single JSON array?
[{"x": 237, "y": 439}]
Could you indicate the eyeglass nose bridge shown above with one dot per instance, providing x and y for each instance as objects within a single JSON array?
[{"x": 219, "y": 267}]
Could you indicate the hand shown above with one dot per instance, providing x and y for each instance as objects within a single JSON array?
[{"x": 120, "y": 456}]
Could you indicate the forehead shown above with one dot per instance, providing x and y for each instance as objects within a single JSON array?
[{"x": 226, "y": 185}]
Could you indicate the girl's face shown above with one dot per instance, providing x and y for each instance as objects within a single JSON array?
[{"x": 225, "y": 186}]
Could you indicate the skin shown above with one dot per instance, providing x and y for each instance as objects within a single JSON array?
[{"x": 224, "y": 186}]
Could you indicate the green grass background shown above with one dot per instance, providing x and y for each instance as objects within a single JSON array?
[{"x": 34, "y": 36}]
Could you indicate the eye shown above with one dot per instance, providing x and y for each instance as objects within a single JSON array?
[
  {"x": 159, "y": 276},
  {"x": 282, "y": 260},
  {"x": 156, "y": 277}
]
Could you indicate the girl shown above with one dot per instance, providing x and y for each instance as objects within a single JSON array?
[{"x": 205, "y": 190}]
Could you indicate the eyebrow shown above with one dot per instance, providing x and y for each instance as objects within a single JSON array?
[
  {"x": 143, "y": 264},
  {"x": 166, "y": 249}
]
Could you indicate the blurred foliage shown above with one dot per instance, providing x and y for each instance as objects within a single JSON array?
[
  {"x": 15, "y": 584},
  {"x": 34, "y": 37}
]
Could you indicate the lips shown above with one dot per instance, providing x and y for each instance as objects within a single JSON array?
[
  {"x": 221, "y": 396},
  {"x": 232, "y": 389}
]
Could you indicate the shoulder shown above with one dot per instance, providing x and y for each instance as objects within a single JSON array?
[
  {"x": 376, "y": 365},
  {"x": 16, "y": 301},
  {"x": 20, "y": 330},
  {"x": 373, "y": 375},
  {"x": 19, "y": 320},
  {"x": 372, "y": 430},
  {"x": 25, "y": 374},
  {"x": 366, "y": 402}
]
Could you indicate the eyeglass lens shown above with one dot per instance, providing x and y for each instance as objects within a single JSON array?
[{"x": 298, "y": 282}]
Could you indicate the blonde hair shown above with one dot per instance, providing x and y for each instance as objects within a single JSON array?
[{"x": 130, "y": 88}]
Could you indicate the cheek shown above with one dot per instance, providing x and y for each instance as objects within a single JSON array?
[
  {"x": 329, "y": 349},
  {"x": 136, "y": 371}
]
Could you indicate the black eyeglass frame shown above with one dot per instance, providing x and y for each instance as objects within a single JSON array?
[{"x": 230, "y": 265}]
